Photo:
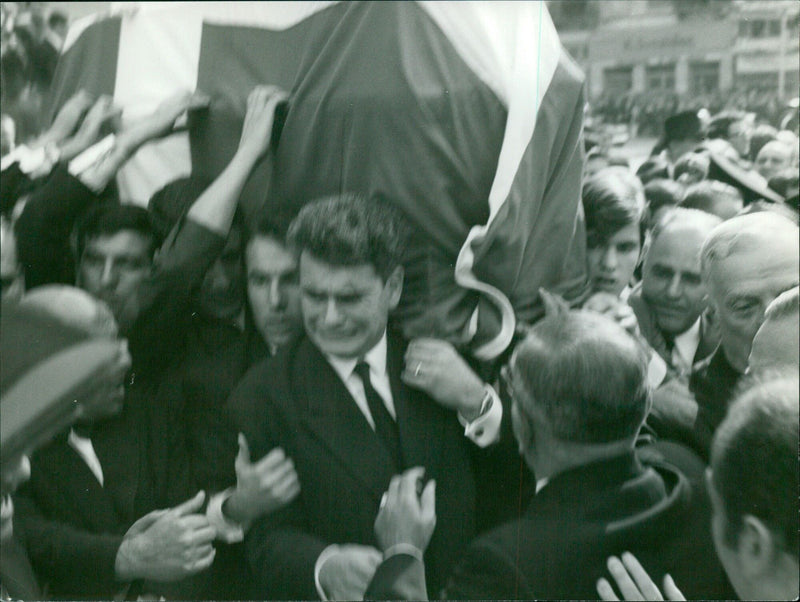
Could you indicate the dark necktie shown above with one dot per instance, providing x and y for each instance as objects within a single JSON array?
[{"x": 385, "y": 425}]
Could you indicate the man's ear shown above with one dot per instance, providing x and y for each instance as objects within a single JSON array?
[
  {"x": 394, "y": 286},
  {"x": 756, "y": 548}
]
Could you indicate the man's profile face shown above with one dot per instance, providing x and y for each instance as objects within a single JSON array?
[
  {"x": 671, "y": 282},
  {"x": 611, "y": 263},
  {"x": 221, "y": 295},
  {"x": 273, "y": 290},
  {"x": 740, "y": 287},
  {"x": 773, "y": 158},
  {"x": 112, "y": 266},
  {"x": 346, "y": 308}
]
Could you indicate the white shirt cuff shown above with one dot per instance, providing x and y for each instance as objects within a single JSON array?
[
  {"x": 88, "y": 167},
  {"x": 34, "y": 163},
  {"x": 227, "y": 531},
  {"x": 485, "y": 429},
  {"x": 403, "y": 548},
  {"x": 331, "y": 550}
]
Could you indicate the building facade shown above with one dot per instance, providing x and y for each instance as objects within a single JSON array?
[{"x": 682, "y": 46}]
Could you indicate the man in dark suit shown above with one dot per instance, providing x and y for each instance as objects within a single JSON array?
[
  {"x": 338, "y": 403},
  {"x": 747, "y": 262},
  {"x": 92, "y": 508},
  {"x": 670, "y": 305},
  {"x": 578, "y": 384}
]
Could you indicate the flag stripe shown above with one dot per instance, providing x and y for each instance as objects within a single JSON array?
[{"x": 535, "y": 58}]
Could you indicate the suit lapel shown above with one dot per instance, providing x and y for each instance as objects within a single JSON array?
[
  {"x": 329, "y": 412},
  {"x": 117, "y": 445},
  {"x": 62, "y": 464}
]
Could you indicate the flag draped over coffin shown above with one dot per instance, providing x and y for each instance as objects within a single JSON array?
[{"x": 467, "y": 116}]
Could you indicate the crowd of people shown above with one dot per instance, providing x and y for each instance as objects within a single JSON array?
[
  {"x": 644, "y": 112},
  {"x": 240, "y": 417}
]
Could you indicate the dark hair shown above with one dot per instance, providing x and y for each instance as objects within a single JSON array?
[
  {"x": 273, "y": 224},
  {"x": 350, "y": 230},
  {"x": 108, "y": 220},
  {"x": 612, "y": 199},
  {"x": 57, "y": 19},
  {"x": 585, "y": 375},
  {"x": 688, "y": 160},
  {"x": 713, "y": 196},
  {"x": 171, "y": 202},
  {"x": 720, "y": 124},
  {"x": 662, "y": 193},
  {"x": 653, "y": 168},
  {"x": 754, "y": 457}
]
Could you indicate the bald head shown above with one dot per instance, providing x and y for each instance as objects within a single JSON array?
[
  {"x": 582, "y": 377},
  {"x": 773, "y": 158},
  {"x": 746, "y": 263},
  {"x": 777, "y": 342},
  {"x": 671, "y": 281},
  {"x": 73, "y": 307}
]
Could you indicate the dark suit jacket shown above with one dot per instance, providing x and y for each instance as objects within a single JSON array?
[
  {"x": 559, "y": 549},
  {"x": 74, "y": 526},
  {"x": 713, "y": 383},
  {"x": 17, "y": 580},
  {"x": 295, "y": 400}
]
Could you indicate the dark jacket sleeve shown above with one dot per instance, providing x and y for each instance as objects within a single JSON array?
[
  {"x": 401, "y": 577},
  {"x": 69, "y": 559},
  {"x": 280, "y": 551},
  {"x": 44, "y": 227},
  {"x": 154, "y": 319},
  {"x": 483, "y": 575},
  {"x": 13, "y": 184}
]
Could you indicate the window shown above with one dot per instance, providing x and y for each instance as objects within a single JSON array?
[
  {"x": 661, "y": 77},
  {"x": 617, "y": 80},
  {"x": 744, "y": 29},
  {"x": 774, "y": 28},
  {"x": 704, "y": 76},
  {"x": 757, "y": 29}
]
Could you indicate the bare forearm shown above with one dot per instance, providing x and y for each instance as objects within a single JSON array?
[{"x": 216, "y": 206}]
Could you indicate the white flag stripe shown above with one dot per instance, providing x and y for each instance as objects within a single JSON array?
[
  {"x": 529, "y": 49},
  {"x": 158, "y": 56}
]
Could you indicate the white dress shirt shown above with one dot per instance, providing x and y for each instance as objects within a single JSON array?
[
  {"x": 685, "y": 347},
  {"x": 483, "y": 431},
  {"x": 85, "y": 449}
]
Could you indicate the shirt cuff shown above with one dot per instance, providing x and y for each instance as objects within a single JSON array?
[
  {"x": 331, "y": 550},
  {"x": 227, "y": 531},
  {"x": 403, "y": 548},
  {"x": 89, "y": 167},
  {"x": 34, "y": 163},
  {"x": 485, "y": 429}
]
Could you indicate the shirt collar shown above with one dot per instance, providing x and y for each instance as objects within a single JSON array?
[
  {"x": 375, "y": 357},
  {"x": 686, "y": 342}
]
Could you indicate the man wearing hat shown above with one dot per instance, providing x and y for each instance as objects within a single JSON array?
[
  {"x": 46, "y": 366},
  {"x": 682, "y": 133},
  {"x": 90, "y": 523}
]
